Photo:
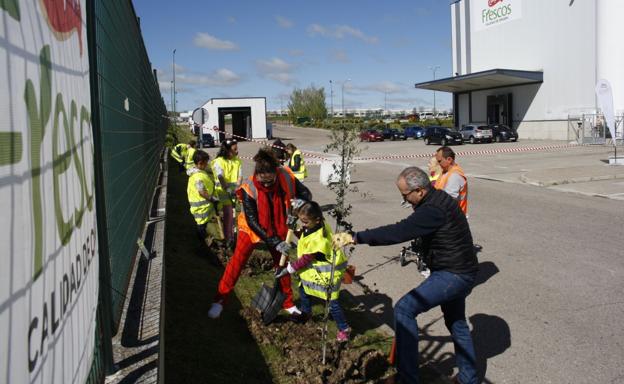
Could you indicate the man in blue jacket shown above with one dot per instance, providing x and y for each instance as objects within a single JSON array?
[{"x": 449, "y": 254}]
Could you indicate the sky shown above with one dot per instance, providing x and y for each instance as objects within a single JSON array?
[{"x": 373, "y": 51}]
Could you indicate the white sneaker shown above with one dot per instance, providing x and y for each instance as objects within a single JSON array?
[
  {"x": 293, "y": 310},
  {"x": 215, "y": 310}
]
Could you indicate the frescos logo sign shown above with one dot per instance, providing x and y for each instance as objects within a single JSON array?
[
  {"x": 48, "y": 237},
  {"x": 488, "y": 13}
]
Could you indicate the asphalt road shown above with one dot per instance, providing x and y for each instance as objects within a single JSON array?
[{"x": 549, "y": 299}]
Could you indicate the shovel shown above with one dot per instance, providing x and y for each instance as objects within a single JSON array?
[{"x": 269, "y": 300}]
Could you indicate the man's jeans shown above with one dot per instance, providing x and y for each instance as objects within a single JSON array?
[{"x": 449, "y": 290}]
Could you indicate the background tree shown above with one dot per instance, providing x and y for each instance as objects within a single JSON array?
[{"x": 308, "y": 102}]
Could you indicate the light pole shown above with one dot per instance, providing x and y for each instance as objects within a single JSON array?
[
  {"x": 344, "y": 115},
  {"x": 434, "y": 69},
  {"x": 385, "y": 101},
  {"x": 171, "y": 94},
  {"x": 331, "y": 97},
  {"x": 174, "y": 89}
]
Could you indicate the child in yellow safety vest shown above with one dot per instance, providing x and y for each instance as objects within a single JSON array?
[
  {"x": 296, "y": 162},
  {"x": 227, "y": 168},
  {"x": 202, "y": 200},
  {"x": 315, "y": 256}
]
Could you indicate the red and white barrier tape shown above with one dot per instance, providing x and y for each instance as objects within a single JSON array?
[
  {"x": 268, "y": 144},
  {"x": 319, "y": 159}
]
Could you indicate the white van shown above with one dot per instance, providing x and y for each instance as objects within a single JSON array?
[{"x": 425, "y": 115}]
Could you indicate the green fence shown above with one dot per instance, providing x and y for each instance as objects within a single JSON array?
[{"x": 129, "y": 122}]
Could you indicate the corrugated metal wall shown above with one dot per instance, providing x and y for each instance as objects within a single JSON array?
[{"x": 130, "y": 123}]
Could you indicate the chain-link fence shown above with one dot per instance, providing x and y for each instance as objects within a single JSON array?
[{"x": 591, "y": 128}]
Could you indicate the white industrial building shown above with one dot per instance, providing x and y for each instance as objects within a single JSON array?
[
  {"x": 533, "y": 63},
  {"x": 248, "y": 118}
]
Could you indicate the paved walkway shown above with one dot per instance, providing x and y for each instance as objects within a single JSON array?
[{"x": 137, "y": 347}]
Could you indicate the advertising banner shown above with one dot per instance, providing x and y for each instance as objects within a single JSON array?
[
  {"x": 605, "y": 101},
  {"x": 48, "y": 237},
  {"x": 490, "y": 13}
]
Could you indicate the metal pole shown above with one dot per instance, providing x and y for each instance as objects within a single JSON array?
[
  {"x": 385, "y": 101},
  {"x": 342, "y": 95},
  {"x": 331, "y": 95},
  {"x": 434, "y": 69},
  {"x": 174, "y": 89}
]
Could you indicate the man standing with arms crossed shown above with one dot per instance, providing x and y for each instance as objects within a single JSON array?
[{"x": 450, "y": 255}]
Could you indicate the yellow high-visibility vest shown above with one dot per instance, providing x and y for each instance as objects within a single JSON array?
[
  {"x": 302, "y": 173},
  {"x": 231, "y": 171},
  {"x": 201, "y": 208},
  {"x": 316, "y": 277},
  {"x": 179, "y": 152},
  {"x": 188, "y": 164}
]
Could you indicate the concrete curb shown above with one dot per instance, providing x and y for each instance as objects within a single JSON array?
[{"x": 581, "y": 179}]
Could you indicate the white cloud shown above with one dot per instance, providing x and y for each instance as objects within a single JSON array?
[
  {"x": 284, "y": 78},
  {"x": 339, "y": 55},
  {"x": 205, "y": 40},
  {"x": 219, "y": 78},
  {"x": 164, "y": 85},
  {"x": 341, "y": 32},
  {"x": 284, "y": 22},
  {"x": 273, "y": 65},
  {"x": 276, "y": 69},
  {"x": 385, "y": 87}
]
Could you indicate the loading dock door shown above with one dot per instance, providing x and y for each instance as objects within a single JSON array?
[
  {"x": 241, "y": 123},
  {"x": 499, "y": 109}
]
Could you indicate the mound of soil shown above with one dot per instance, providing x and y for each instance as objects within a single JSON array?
[
  {"x": 300, "y": 353},
  {"x": 258, "y": 262}
]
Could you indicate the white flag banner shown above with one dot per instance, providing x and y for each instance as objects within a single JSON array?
[{"x": 605, "y": 101}]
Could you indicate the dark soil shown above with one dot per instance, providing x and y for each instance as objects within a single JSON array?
[{"x": 299, "y": 350}]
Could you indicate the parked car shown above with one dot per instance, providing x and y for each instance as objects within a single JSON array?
[
  {"x": 393, "y": 134},
  {"x": 442, "y": 136},
  {"x": 371, "y": 135},
  {"x": 415, "y": 132},
  {"x": 501, "y": 132},
  {"x": 207, "y": 140},
  {"x": 476, "y": 133}
]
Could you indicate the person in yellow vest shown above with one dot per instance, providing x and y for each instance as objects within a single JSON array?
[
  {"x": 188, "y": 160},
  {"x": 315, "y": 256},
  {"x": 178, "y": 153},
  {"x": 453, "y": 180},
  {"x": 227, "y": 168},
  {"x": 296, "y": 162},
  {"x": 200, "y": 190},
  {"x": 266, "y": 199}
]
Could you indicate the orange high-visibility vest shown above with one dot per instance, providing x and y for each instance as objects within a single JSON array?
[
  {"x": 286, "y": 181},
  {"x": 462, "y": 197}
]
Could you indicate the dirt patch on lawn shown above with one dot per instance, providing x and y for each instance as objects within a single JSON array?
[{"x": 299, "y": 350}]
